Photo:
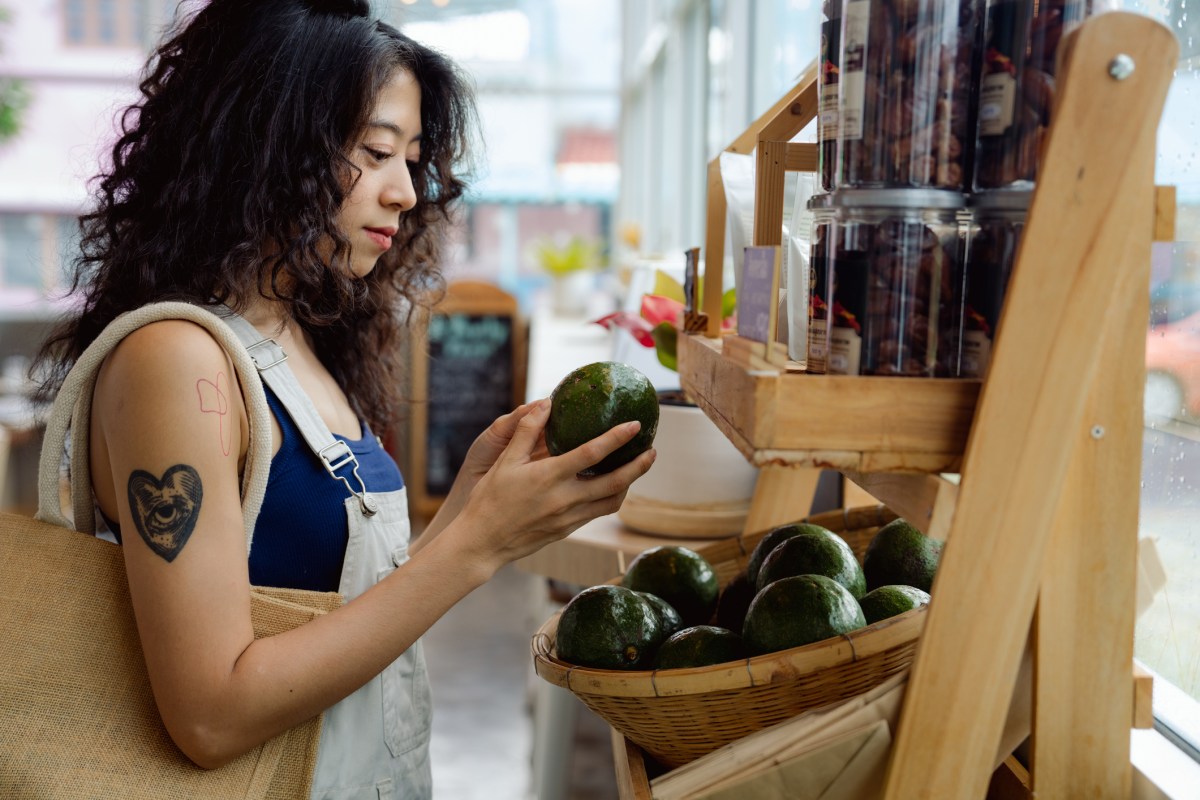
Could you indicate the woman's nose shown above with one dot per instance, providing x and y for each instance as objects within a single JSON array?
[{"x": 399, "y": 190}]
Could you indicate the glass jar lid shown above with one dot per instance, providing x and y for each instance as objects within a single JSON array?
[{"x": 934, "y": 199}]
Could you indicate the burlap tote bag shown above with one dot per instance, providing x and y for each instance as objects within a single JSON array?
[{"x": 77, "y": 717}]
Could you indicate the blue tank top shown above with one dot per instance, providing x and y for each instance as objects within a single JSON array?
[
  {"x": 301, "y": 532},
  {"x": 300, "y": 537}
]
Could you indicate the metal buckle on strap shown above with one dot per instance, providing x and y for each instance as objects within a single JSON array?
[
  {"x": 338, "y": 455},
  {"x": 274, "y": 354}
]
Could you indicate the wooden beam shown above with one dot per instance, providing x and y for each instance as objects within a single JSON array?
[
  {"x": 714, "y": 249},
  {"x": 1010, "y": 781},
  {"x": 768, "y": 193},
  {"x": 1087, "y": 603},
  {"x": 632, "y": 781},
  {"x": 927, "y": 501},
  {"x": 1143, "y": 698},
  {"x": 785, "y": 118},
  {"x": 1164, "y": 213},
  {"x": 800, "y": 157},
  {"x": 781, "y": 495}
]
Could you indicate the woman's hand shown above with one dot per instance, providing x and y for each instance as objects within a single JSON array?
[
  {"x": 490, "y": 445},
  {"x": 527, "y": 499},
  {"x": 486, "y": 448}
]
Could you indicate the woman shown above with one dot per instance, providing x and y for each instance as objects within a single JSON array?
[{"x": 294, "y": 162}]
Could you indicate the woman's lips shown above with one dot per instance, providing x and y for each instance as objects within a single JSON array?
[{"x": 381, "y": 236}]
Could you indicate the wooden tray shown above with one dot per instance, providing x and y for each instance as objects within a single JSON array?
[{"x": 843, "y": 422}]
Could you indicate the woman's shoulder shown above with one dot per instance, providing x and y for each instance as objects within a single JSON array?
[{"x": 163, "y": 353}]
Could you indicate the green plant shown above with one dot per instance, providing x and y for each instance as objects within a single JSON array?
[
  {"x": 562, "y": 259},
  {"x": 14, "y": 96}
]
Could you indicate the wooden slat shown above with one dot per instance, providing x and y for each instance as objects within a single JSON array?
[
  {"x": 1010, "y": 781},
  {"x": 1164, "y": 213},
  {"x": 1143, "y": 698},
  {"x": 768, "y": 193},
  {"x": 632, "y": 781},
  {"x": 1085, "y": 624},
  {"x": 781, "y": 495},
  {"x": 1060, "y": 301},
  {"x": 785, "y": 118},
  {"x": 854, "y": 495},
  {"x": 800, "y": 157},
  {"x": 927, "y": 501},
  {"x": 714, "y": 248}
]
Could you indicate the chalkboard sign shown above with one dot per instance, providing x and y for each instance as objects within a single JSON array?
[{"x": 468, "y": 369}]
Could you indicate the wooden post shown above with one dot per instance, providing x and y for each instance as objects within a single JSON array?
[
  {"x": 1091, "y": 215},
  {"x": 781, "y": 495},
  {"x": 1086, "y": 608}
]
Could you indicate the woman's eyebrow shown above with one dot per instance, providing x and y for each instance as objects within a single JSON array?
[{"x": 392, "y": 127}]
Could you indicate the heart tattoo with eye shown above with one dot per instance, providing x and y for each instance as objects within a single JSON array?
[{"x": 165, "y": 511}]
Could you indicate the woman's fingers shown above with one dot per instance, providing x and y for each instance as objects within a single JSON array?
[
  {"x": 593, "y": 452},
  {"x": 619, "y": 480},
  {"x": 528, "y": 430},
  {"x": 505, "y": 427}
]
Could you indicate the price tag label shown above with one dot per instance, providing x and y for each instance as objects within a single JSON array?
[{"x": 757, "y": 296}]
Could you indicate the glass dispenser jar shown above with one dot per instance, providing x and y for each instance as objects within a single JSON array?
[
  {"x": 823, "y": 216},
  {"x": 1017, "y": 86},
  {"x": 997, "y": 220},
  {"x": 830, "y": 94},
  {"x": 894, "y": 268},
  {"x": 907, "y": 77}
]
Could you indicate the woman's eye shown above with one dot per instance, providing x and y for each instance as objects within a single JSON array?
[
  {"x": 414, "y": 167},
  {"x": 378, "y": 155}
]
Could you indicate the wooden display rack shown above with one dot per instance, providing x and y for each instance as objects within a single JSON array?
[{"x": 1042, "y": 529}]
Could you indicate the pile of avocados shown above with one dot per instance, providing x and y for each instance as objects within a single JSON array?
[{"x": 802, "y": 584}]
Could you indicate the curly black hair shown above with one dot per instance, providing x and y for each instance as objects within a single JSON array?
[{"x": 238, "y": 147}]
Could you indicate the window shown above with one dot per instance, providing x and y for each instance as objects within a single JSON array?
[
  {"x": 21, "y": 251},
  {"x": 105, "y": 23},
  {"x": 37, "y": 252}
]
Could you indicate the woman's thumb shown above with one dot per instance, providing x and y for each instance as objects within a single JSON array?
[{"x": 530, "y": 427}]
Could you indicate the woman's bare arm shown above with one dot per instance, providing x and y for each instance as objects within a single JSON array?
[{"x": 220, "y": 691}]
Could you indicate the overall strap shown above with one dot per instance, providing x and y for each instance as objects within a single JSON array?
[{"x": 270, "y": 359}]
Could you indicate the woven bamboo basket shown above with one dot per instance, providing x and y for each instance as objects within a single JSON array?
[{"x": 679, "y": 715}]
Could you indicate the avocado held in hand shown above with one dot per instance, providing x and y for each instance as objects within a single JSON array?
[{"x": 596, "y": 398}]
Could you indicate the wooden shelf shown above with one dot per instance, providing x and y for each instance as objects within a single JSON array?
[{"x": 852, "y": 423}]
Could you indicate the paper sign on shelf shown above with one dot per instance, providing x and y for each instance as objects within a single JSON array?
[{"x": 756, "y": 299}]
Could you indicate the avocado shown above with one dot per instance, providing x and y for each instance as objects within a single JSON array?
[
  {"x": 735, "y": 599},
  {"x": 596, "y": 398},
  {"x": 901, "y": 555},
  {"x": 822, "y": 553},
  {"x": 700, "y": 646},
  {"x": 797, "y": 611},
  {"x": 668, "y": 617},
  {"x": 891, "y": 601},
  {"x": 678, "y": 575},
  {"x": 609, "y": 627},
  {"x": 772, "y": 540}
]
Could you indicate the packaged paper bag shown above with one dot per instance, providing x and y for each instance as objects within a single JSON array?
[{"x": 848, "y": 767}]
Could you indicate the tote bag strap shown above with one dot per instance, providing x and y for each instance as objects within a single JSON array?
[{"x": 73, "y": 407}]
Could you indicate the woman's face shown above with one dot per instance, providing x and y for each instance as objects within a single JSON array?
[{"x": 388, "y": 150}]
